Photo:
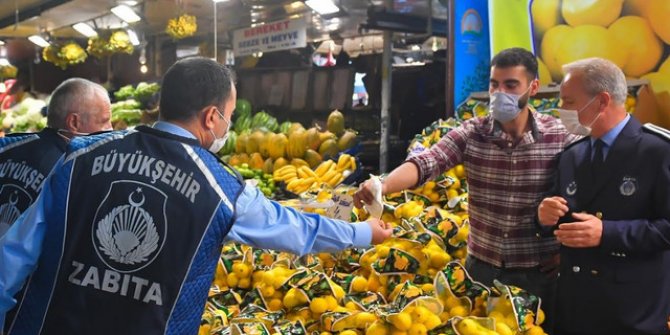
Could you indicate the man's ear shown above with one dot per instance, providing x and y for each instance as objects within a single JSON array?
[
  {"x": 210, "y": 114},
  {"x": 72, "y": 122},
  {"x": 604, "y": 100}
]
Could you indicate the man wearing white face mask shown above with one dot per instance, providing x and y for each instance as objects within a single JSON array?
[
  {"x": 612, "y": 206},
  {"x": 77, "y": 107},
  {"x": 130, "y": 225},
  {"x": 509, "y": 157}
]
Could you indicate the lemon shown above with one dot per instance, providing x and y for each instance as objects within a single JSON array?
[
  {"x": 458, "y": 311},
  {"x": 546, "y": 14},
  {"x": 503, "y": 329},
  {"x": 439, "y": 259},
  {"x": 364, "y": 319},
  {"x": 590, "y": 41},
  {"x": 402, "y": 321},
  {"x": 348, "y": 332},
  {"x": 645, "y": 49},
  {"x": 665, "y": 66},
  {"x": 258, "y": 276},
  {"x": 543, "y": 73},
  {"x": 511, "y": 321},
  {"x": 551, "y": 41},
  {"x": 432, "y": 322},
  {"x": 318, "y": 305},
  {"x": 421, "y": 314},
  {"x": 452, "y": 193},
  {"x": 291, "y": 299},
  {"x": 427, "y": 288},
  {"x": 382, "y": 251},
  {"x": 660, "y": 84},
  {"x": 444, "y": 316},
  {"x": 350, "y": 305},
  {"x": 377, "y": 328},
  {"x": 540, "y": 317},
  {"x": 459, "y": 171},
  {"x": 275, "y": 304},
  {"x": 267, "y": 291},
  {"x": 244, "y": 283},
  {"x": 535, "y": 330},
  {"x": 242, "y": 270},
  {"x": 658, "y": 12},
  {"x": 496, "y": 315},
  {"x": 398, "y": 332},
  {"x": 331, "y": 301},
  {"x": 417, "y": 329},
  {"x": 596, "y": 12},
  {"x": 359, "y": 284},
  {"x": 232, "y": 279}
]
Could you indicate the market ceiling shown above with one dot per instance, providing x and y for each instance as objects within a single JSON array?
[{"x": 58, "y": 16}]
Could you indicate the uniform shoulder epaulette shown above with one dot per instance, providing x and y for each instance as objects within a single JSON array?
[
  {"x": 576, "y": 142},
  {"x": 656, "y": 130}
]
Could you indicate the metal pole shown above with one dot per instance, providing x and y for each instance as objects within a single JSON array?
[
  {"x": 451, "y": 32},
  {"x": 216, "y": 39},
  {"x": 386, "y": 97}
]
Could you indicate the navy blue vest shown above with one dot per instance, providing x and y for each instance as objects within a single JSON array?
[
  {"x": 135, "y": 226},
  {"x": 25, "y": 162}
]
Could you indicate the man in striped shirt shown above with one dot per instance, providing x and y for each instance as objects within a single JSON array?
[{"x": 510, "y": 156}]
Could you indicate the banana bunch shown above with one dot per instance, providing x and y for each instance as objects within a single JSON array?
[{"x": 301, "y": 179}]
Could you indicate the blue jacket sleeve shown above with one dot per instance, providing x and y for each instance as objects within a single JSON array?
[
  {"x": 644, "y": 235},
  {"x": 20, "y": 251},
  {"x": 263, "y": 223}
]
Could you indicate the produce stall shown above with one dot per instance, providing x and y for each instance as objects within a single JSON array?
[{"x": 292, "y": 142}]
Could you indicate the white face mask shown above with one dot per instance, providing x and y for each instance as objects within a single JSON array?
[
  {"x": 64, "y": 133},
  {"x": 505, "y": 107},
  {"x": 570, "y": 119},
  {"x": 219, "y": 142}
]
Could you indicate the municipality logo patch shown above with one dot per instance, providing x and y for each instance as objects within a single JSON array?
[
  {"x": 13, "y": 201},
  {"x": 130, "y": 225}
]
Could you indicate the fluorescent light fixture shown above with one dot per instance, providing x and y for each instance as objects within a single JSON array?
[
  {"x": 144, "y": 68},
  {"x": 39, "y": 41},
  {"x": 323, "y": 7},
  {"x": 133, "y": 37},
  {"x": 85, "y": 29},
  {"x": 4, "y": 62},
  {"x": 129, "y": 3},
  {"x": 126, "y": 13},
  {"x": 219, "y": 0},
  {"x": 2, "y": 42}
]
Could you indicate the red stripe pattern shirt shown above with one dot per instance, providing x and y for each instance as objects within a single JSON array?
[{"x": 506, "y": 182}]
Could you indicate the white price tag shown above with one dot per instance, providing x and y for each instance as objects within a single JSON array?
[{"x": 342, "y": 208}]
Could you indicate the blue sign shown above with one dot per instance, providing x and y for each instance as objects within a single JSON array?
[{"x": 472, "y": 53}]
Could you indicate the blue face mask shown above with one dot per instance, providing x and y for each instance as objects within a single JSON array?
[{"x": 505, "y": 107}]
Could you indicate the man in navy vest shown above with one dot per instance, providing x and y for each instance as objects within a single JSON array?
[
  {"x": 77, "y": 107},
  {"x": 128, "y": 229},
  {"x": 612, "y": 206}
]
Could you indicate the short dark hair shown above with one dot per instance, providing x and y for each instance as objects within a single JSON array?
[
  {"x": 192, "y": 84},
  {"x": 514, "y": 57}
]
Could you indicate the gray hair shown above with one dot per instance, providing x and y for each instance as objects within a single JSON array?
[
  {"x": 75, "y": 95},
  {"x": 601, "y": 75}
]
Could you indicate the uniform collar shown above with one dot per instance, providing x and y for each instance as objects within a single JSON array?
[
  {"x": 611, "y": 135},
  {"x": 173, "y": 129}
]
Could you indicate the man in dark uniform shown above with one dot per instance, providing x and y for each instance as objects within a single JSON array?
[
  {"x": 612, "y": 206},
  {"x": 77, "y": 107}
]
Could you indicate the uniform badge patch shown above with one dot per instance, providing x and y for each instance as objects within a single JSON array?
[
  {"x": 628, "y": 186},
  {"x": 130, "y": 226},
  {"x": 572, "y": 188}
]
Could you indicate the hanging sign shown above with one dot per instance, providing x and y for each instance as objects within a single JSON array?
[{"x": 271, "y": 36}]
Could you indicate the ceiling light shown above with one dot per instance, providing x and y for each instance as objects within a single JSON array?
[
  {"x": 323, "y": 7},
  {"x": 144, "y": 68},
  {"x": 4, "y": 62},
  {"x": 219, "y": 0},
  {"x": 2, "y": 42},
  {"x": 128, "y": 2},
  {"x": 126, "y": 13},
  {"x": 85, "y": 29},
  {"x": 133, "y": 37},
  {"x": 39, "y": 41}
]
